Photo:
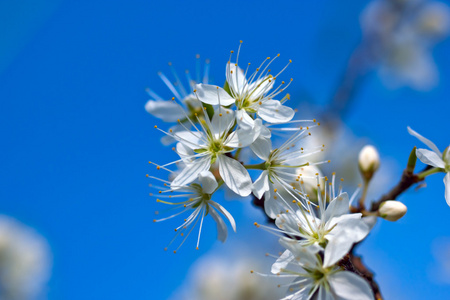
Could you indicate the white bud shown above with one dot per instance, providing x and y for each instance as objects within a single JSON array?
[
  {"x": 392, "y": 210},
  {"x": 369, "y": 161}
]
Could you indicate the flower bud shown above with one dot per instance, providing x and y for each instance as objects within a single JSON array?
[
  {"x": 392, "y": 210},
  {"x": 369, "y": 161}
]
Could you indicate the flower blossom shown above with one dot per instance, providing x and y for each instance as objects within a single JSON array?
[
  {"x": 279, "y": 169},
  {"x": 201, "y": 148},
  {"x": 314, "y": 280},
  {"x": 252, "y": 94},
  {"x": 435, "y": 158},
  {"x": 199, "y": 200},
  {"x": 320, "y": 226}
]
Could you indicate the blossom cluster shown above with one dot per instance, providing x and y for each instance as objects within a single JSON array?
[{"x": 211, "y": 127}]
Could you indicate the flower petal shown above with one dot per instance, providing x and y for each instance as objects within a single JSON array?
[
  {"x": 213, "y": 94},
  {"x": 426, "y": 141},
  {"x": 282, "y": 261},
  {"x": 208, "y": 182},
  {"x": 168, "y": 111},
  {"x": 261, "y": 185},
  {"x": 447, "y": 188},
  {"x": 324, "y": 294},
  {"x": 242, "y": 138},
  {"x": 190, "y": 173},
  {"x": 225, "y": 213},
  {"x": 262, "y": 147},
  {"x": 222, "y": 231},
  {"x": 236, "y": 79},
  {"x": 191, "y": 139},
  {"x": 222, "y": 120},
  {"x": 244, "y": 120},
  {"x": 347, "y": 285},
  {"x": 235, "y": 175},
  {"x": 273, "y": 111},
  {"x": 337, "y": 207},
  {"x": 430, "y": 158}
]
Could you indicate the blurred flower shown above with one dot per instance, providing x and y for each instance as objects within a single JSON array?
[
  {"x": 400, "y": 34},
  {"x": 222, "y": 277},
  {"x": 439, "y": 271},
  {"x": 24, "y": 261},
  {"x": 435, "y": 158},
  {"x": 186, "y": 104}
]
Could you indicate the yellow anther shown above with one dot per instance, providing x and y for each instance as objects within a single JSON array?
[
  {"x": 146, "y": 175},
  {"x": 220, "y": 115},
  {"x": 154, "y": 220},
  {"x": 275, "y": 190},
  {"x": 156, "y": 126}
]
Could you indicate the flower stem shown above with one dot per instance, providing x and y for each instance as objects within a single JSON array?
[
  {"x": 364, "y": 195},
  {"x": 429, "y": 172},
  {"x": 261, "y": 166}
]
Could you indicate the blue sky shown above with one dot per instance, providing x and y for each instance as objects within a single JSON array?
[{"x": 76, "y": 139}]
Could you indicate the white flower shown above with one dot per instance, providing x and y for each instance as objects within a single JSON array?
[
  {"x": 24, "y": 261},
  {"x": 392, "y": 210},
  {"x": 199, "y": 200},
  {"x": 200, "y": 148},
  {"x": 435, "y": 158},
  {"x": 252, "y": 94},
  {"x": 323, "y": 226},
  {"x": 314, "y": 280},
  {"x": 280, "y": 169}
]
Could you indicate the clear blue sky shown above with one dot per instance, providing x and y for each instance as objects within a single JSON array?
[{"x": 75, "y": 138}]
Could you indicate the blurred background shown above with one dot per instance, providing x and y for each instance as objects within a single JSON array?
[{"x": 76, "y": 218}]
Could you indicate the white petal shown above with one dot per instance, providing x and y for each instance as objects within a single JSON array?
[
  {"x": 212, "y": 94},
  {"x": 447, "y": 188},
  {"x": 337, "y": 207},
  {"x": 426, "y": 141},
  {"x": 222, "y": 120},
  {"x": 244, "y": 120},
  {"x": 282, "y": 262},
  {"x": 190, "y": 173},
  {"x": 235, "y": 175},
  {"x": 271, "y": 207},
  {"x": 273, "y": 111},
  {"x": 261, "y": 185},
  {"x": 222, "y": 231},
  {"x": 190, "y": 139},
  {"x": 265, "y": 132},
  {"x": 430, "y": 158},
  {"x": 307, "y": 255},
  {"x": 349, "y": 230},
  {"x": 242, "y": 138},
  {"x": 185, "y": 153},
  {"x": 208, "y": 182},
  {"x": 235, "y": 78},
  {"x": 303, "y": 292},
  {"x": 324, "y": 295},
  {"x": 336, "y": 249},
  {"x": 347, "y": 285},
  {"x": 225, "y": 213},
  {"x": 262, "y": 147},
  {"x": 168, "y": 111}
]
